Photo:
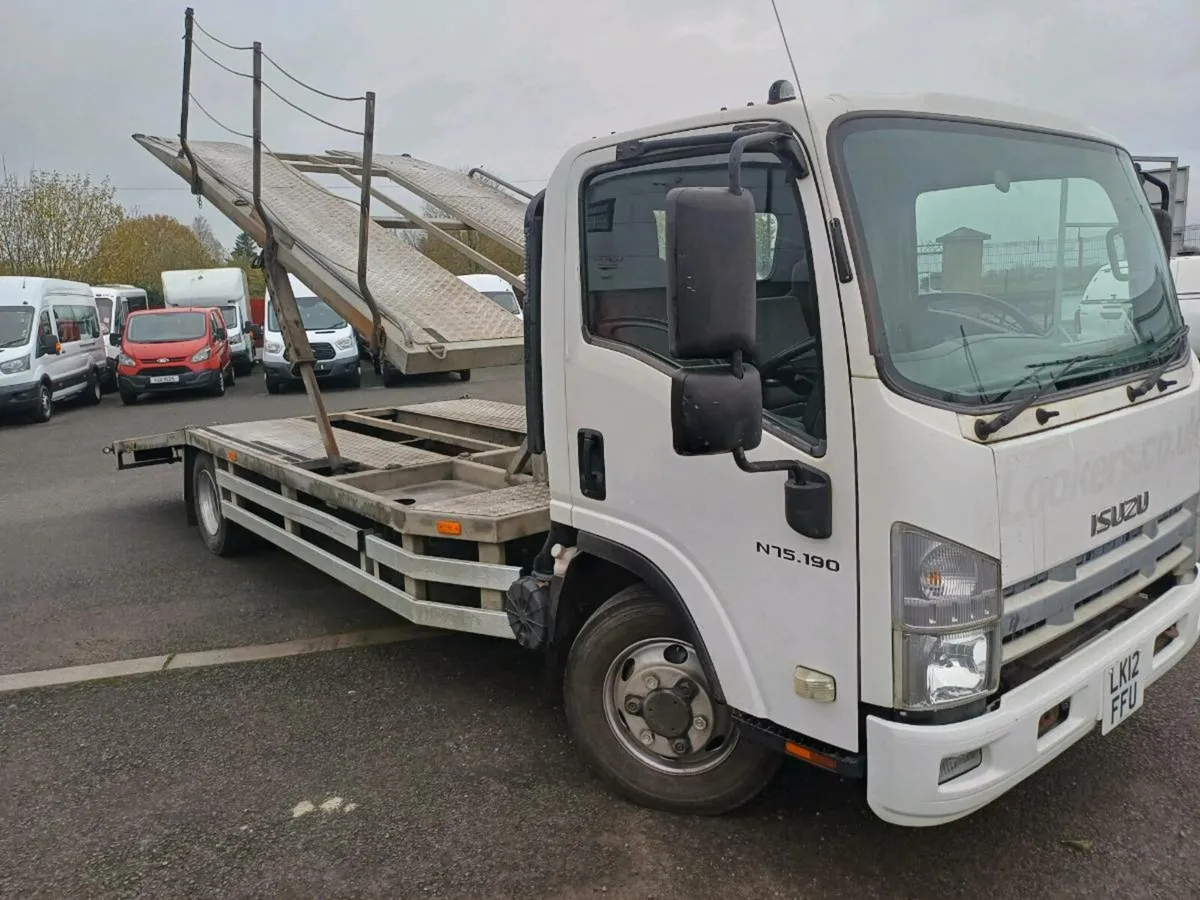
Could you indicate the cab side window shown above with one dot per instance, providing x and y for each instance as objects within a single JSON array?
[
  {"x": 217, "y": 325},
  {"x": 625, "y": 276},
  {"x": 45, "y": 330}
]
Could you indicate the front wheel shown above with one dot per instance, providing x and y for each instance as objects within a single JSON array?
[
  {"x": 43, "y": 406},
  {"x": 641, "y": 710}
]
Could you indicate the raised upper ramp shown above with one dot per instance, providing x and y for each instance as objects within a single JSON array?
[
  {"x": 433, "y": 321},
  {"x": 474, "y": 202}
]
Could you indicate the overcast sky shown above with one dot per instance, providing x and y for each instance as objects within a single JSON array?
[{"x": 510, "y": 85}]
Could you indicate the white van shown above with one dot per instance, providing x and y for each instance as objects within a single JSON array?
[
  {"x": 333, "y": 341},
  {"x": 497, "y": 290},
  {"x": 114, "y": 303},
  {"x": 50, "y": 345},
  {"x": 226, "y": 288}
]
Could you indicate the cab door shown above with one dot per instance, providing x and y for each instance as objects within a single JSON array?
[
  {"x": 764, "y": 598},
  {"x": 220, "y": 338}
]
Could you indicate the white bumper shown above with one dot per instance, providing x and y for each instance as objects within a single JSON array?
[{"x": 903, "y": 760}]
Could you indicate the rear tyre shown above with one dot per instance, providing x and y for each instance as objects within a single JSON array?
[
  {"x": 43, "y": 408},
  {"x": 464, "y": 374},
  {"x": 222, "y": 537},
  {"x": 93, "y": 393},
  {"x": 641, "y": 712}
]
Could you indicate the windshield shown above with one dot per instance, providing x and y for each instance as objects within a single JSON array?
[
  {"x": 15, "y": 324},
  {"x": 230, "y": 315},
  {"x": 505, "y": 299},
  {"x": 315, "y": 313},
  {"x": 163, "y": 327},
  {"x": 979, "y": 244}
]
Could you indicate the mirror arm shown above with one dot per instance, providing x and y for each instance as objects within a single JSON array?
[
  {"x": 740, "y": 146},
  {"x": 796, "y": 472}
]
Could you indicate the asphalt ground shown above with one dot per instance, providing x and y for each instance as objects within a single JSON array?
[{"x": 431, "y": 766}]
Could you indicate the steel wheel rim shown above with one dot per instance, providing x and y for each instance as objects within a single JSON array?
[
  {"x": 627, "y": 675},
  {"x": 208, "y": 503}
]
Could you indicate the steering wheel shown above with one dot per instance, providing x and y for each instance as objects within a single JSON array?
[
  {"x": 1001, "y": 312},
  {"x": 769, "y": 369}
]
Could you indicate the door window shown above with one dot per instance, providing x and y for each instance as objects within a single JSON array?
[
  {"x": 104, "y": 306},
  {"x": 87, "y": 322},
  {"x": 68, "y": 327},
  {"x": 625, "y": 275}
]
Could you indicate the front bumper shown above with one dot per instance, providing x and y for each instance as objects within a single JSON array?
[
  {"x": 903, "y": 760},
  {"x": 344, "y": 367},
  {"x": 18, "y": 397},
  {"x": 188, "y": 381}
]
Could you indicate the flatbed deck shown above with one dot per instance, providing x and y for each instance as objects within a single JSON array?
[{"x": 429, "y": 513}]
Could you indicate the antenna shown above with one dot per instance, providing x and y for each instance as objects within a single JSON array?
[{"x": 799, "y": 88}]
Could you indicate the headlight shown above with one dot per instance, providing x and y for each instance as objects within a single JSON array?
[
  {"x": 273, "y": 347},
  {"x": 202, "y": 354},
  {"x": 124, "y": 359},
  {"x": 344, "y": 343},
  {"x": 13, "y": 366},
  {"x": 235, "y": 340},
  {"x": 945, "y": 610}
]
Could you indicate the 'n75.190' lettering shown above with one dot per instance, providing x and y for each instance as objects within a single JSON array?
[{"x": 787, "y": 554}]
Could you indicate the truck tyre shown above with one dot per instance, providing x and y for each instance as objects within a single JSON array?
[
  {"x": 391, "y": 377},
  {"x": 43, "y": 405},
  {"x": 222, "y": 537},
  {"x": 639, "y": 707},
  {"x": 464, "y": 374}
]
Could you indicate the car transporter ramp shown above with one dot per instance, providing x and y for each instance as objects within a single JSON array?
[{"x": 433, "y": 322}]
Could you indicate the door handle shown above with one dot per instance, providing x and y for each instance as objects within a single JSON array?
[{"x": 591, "y": 464}]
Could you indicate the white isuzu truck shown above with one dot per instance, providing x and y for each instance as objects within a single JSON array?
[{"x": 766, "y": 496}]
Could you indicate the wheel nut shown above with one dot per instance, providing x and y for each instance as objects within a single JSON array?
[
  {"x": 633, "y": 705},
  {"x": 679, "y": 745},
  {"x": 647, "y": 737},
  {"x": 651, "y": 682},
  {"x": 699, "y": 723}
]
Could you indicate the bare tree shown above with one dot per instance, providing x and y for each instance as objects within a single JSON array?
[
  {"x": 208, "y": 240},
  {"x": 51, "y": 224}
]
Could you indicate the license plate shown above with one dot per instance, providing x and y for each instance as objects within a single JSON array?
[
  {"x": 164, "y": 379},
  {"x": 1122, "y": 690}
]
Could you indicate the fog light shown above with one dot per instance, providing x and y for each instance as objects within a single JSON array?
[{"x": 954, "y": 766}]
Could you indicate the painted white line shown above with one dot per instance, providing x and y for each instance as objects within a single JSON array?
[{"x": 148, "y": 665}]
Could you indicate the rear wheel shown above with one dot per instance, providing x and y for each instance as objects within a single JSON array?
[
  {"x": 391, "y": 376},
  {"x": 222, "y": 537},
  {"x": 641, "y": 711},
  {"x": 93, "y": 393},
  {"x": 43, "y": 407},
  {"x": 464, "y": 374}
]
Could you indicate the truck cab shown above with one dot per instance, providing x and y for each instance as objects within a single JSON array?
[{"x": 931, "y": 537}]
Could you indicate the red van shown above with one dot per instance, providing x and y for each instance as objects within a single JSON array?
[{"x": 174, "y": 349}]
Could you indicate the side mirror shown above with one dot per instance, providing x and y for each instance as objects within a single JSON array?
[
  {"x": 711, "y": 305},
  {"x": 49, "y": 344},
  {"x": 115, "y": 340}
]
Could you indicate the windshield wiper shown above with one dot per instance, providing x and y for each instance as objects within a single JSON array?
[
  {"x": 985, "y": 428},
  {"x": 1155, "y": 378}
]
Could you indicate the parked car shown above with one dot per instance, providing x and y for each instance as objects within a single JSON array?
[
  {"x": 332, "y": 339},
  {"x": 174, "y": 349},
  {"x": 50, "y": 345},
  {"x": 226, "y": 288}
]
